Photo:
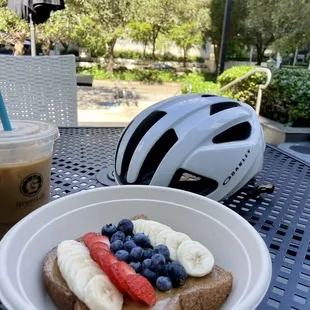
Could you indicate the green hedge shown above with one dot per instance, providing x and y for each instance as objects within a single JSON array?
[
  {"x": 246, "y": 90},
  {"x": 198, "y": 84},
  {"x": 166, "y": 57},
  {"x": 146, "y": 75},
  {"x": 286, "y": 100}
]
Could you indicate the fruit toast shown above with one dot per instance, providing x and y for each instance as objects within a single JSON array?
[{"x": 106, "y": 271}]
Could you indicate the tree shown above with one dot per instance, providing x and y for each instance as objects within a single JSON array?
[
  {"x": 140, "y": 32},
  {"x": 159, "y": 14},
  {"x": 13, "y": 30},
  {"x": 88, "y": 34},
  {"x": 214, "y": 24},
  {"x": 59, "y": 28},
  {"x": 293, "y": 24},
  {"x": 110, "y": 17},
  {"x": 71, "y": 27},
  {"x": 186, "y": 36},
  {"x": 261, "y": 28}
]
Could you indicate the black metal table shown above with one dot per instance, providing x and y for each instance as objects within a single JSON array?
[{"x": 281, "y": 218}]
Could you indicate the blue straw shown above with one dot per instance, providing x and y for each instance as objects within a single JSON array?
[{"x": 4, "y": 115}]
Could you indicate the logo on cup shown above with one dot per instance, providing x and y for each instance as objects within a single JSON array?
[{"x": 31, "y": 185}]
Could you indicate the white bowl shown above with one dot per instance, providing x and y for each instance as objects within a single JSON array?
[{"x": 235, "y": 244}]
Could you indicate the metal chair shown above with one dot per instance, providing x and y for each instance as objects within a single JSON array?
[{"x": 40, "y": 88}]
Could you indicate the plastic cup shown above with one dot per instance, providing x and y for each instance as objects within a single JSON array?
[{"x": 25, "y": 168}]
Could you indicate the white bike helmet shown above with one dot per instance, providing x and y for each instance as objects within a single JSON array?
[{"x": 205, "y": 144}]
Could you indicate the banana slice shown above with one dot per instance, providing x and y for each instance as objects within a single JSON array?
[
  {"x": 148, "y": 226},
  {"x": 66, "y": 264},
  {"x": 80, "y": 264},
  {"x": 173, "y": 241},
  {"x": 138, "y": 226},
  {"x": 82, "y": 278},
  {"x": 162, "y": 236},
  {"x": 68, "y": 245},
  {"x": 197, "y": 260},
  {"x": 63, "y": 259},
  {"x": 155, "y": 230},
  {"x": 101, "y": 294}
]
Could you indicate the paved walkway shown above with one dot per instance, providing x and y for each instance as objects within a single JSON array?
[{"x": 95, "y": 107}]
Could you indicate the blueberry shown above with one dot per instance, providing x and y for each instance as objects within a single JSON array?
[
  {"x": 177, "y": 274},
  {"x": 164, "y": 271},
  {"x": 129, "y": 245},
  {"x": 150, "y": 275},
  {"x": 146, "y": 263},
  {"x": 136, "y": 266},
  {"x": 119, "y": 235},
  {"x": 162, "y": 249},
  {"x": 158, "y": 262},
  {"x": 142, "y": 240},
  {"x": 164, "y": 284},
  {"x": 136, "y": 254},
  {"x": 126, "y": 226},
  {"x": 122, "y": 255},
  {"x": 116, "y": 246},
  {"x": 108, "y": 230},
  {"x": 128, "y": 238},
  {"x": 148, "y": 253}
]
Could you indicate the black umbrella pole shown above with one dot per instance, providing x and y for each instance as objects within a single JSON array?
[
  {"x": 32, "y": 36},
  {"x": 225, "y": 36}
]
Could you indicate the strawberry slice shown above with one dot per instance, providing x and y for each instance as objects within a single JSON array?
[
  {"x": 106, "y": 260},
  {"x": 97, "y": 238},
  {"x": 120, "y": 271},
  {"x": 139, "y": 288},
  {"x": 96, "y": 250},
  {"x": 88, "y": 236}
]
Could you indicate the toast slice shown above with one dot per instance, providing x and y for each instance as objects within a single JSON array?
[{"x": 207, "y": 293}]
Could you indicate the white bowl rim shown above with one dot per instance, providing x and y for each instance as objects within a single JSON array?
[{"x": 246, "y": 304}]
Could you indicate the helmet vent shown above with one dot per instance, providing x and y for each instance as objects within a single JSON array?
[
  {"x": 122, "y": 135},
  {"x": 238, "y": 132},
  {"x": 156, "y": 155},
  {"x": 207, "y": 95},
  {"x": 138, "y": 134},
  {"x": 189, "y": 181},
  {"x": 221, "y": 106}
]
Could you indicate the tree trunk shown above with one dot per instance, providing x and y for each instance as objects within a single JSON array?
[
  {"x": 19, "y": 48},
  {"x": 144, "y": 51},
  {"x": 259, "y": 48},
  {"x": 155, "y": 32},
  {"x": 65, "y": 46},
  {"x": 153, "y": 48},
  {"x": 110, "y": 63},
  {"x": 184, "y": 57},
  {"x": 295, "y": 57},
  {"x": 46, "y": 47},
  {"x": 216, "y": 54}
]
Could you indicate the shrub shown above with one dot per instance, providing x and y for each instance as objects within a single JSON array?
[
  {"x": 147, "y": 75},
  {"x": 286, "y": 100},
  {"x": 198, "y": 83},
  {"x": 122, "y": 73},
  {"x": 98, "y": 73},
  {"x": 246, "y": 90},
  {"x": 166, "y": 57}
]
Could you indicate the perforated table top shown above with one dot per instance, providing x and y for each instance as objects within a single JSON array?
[{"x": 281, "y": 218}]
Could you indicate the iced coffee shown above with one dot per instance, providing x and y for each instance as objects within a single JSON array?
[{"x": 25, "y": 167}]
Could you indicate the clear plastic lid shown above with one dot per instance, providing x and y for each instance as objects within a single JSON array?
[{"x": 26, "y": 133}]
